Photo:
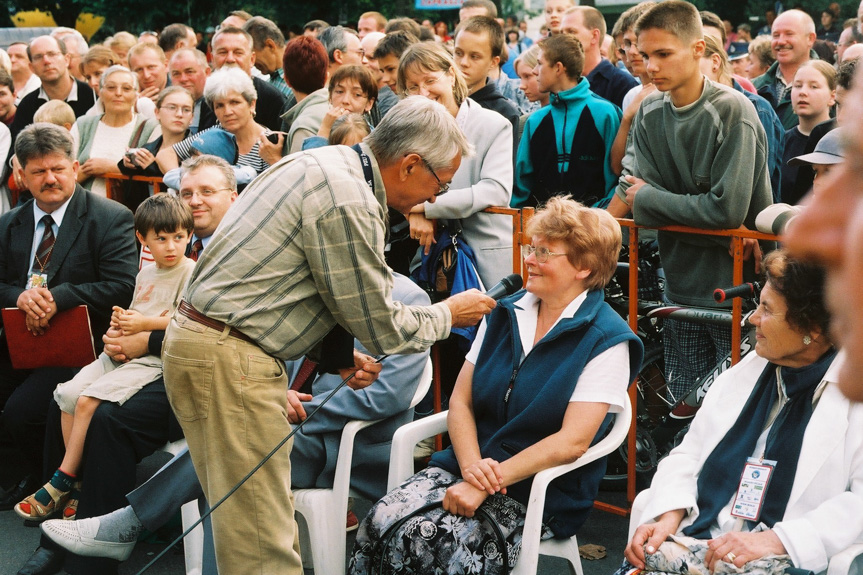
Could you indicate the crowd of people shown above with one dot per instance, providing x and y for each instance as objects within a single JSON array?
[{"x": 327, "y": 203}]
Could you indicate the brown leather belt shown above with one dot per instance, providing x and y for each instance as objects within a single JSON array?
[{"x": 186, "y": 309}]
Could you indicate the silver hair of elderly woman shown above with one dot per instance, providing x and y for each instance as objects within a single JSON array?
[
  {"x": 226, "y": 80},
  {"x": 116, "y": 69}
]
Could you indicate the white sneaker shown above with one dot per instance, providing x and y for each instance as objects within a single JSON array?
[{"x": 79, "y": 537}]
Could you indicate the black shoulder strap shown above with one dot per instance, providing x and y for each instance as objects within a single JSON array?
[{"x": 366, "y": 161}]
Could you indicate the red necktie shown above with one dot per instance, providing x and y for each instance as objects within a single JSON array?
[
  {"x": 46, "y": 246},
  {"x": 197, "y": 248}
]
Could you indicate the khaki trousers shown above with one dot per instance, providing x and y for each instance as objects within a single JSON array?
[{"x": 229, "y": 397}]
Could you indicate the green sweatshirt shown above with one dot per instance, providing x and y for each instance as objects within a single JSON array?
[{"x": 706, "y": 167}]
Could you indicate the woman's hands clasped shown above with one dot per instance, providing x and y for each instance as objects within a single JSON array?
[{"x": 481, "y": 479}]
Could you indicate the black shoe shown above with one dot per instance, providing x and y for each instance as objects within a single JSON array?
[
  {"x": 44, "y": 561},
  {"x": 24, "y": 488}
]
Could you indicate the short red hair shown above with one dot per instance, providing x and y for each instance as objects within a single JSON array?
[{"x": 305, "y": 64}]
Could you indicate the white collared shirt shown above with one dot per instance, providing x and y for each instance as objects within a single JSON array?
[
  {"x": 33, "y": 84},
  {"x": 73, "y": 93},
  {"x": 604, "y": 379},
  {"x": 57, "y": 215}
]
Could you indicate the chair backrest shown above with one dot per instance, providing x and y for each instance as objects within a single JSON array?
[
  {"x": 425, "y": 384},
  {"x": 531, "y": 546}
]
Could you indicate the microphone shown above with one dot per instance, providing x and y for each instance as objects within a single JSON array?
[{"x": 507, "y": 286}]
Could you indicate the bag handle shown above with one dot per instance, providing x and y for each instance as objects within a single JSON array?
[{"x": 136, "y": 137}]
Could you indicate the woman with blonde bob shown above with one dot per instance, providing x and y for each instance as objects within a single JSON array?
[
  {"x": 546, "y": 370},
  {"x": 482, "y": 181}
]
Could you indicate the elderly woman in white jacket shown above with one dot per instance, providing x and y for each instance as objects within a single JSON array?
[
  {"x": 781, "y": 404},
  {"x": 483, "y": 180}
]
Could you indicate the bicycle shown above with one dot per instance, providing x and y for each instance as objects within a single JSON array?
[{"x": 662, "y": 418}]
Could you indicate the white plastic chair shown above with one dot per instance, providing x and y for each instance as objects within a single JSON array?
[
  {"x": 847, "y": 562},
  {"x": 401, "y": 467},
  {"x": 324, "y": 510}
]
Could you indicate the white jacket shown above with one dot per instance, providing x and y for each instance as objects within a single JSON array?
[
  {"x": 483, "y": 180},
  {"x": 825, "y": 508}
]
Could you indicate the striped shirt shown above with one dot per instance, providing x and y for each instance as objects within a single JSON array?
[
  {"x": 303, "y": 249},
  {"x": 252, "y": 158},
  {"x": 277, "y": 79}
]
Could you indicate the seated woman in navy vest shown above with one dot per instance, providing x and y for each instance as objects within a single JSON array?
[
  {"x": 777, "y": 412},
  {"x": 543, "y": 375}
]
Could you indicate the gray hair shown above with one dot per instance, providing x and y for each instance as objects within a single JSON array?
[
  {"x": 199, "y": 56},
  {"x": 261, "y": 29},
  {"x": 116, "y": 68},
  {"x": 226, "y": 80},
  {"x": 195, "y": 163},
  {"x": 66, "y": 33},
  {"x": 42, "y": 139},
  {"x": 417, "y": 125},
  {"x": 334, "y": 38},
  {"x": 233, "y": 30}
]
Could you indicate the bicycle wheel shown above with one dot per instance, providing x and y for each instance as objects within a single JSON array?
[{"x": 651, "y": 405}]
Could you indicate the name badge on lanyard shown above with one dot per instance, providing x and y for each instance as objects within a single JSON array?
[
  {"x": 754, "y": 482},
  {"x": 37, "y": 279}
]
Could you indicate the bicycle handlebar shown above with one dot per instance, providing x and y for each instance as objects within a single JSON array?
[{"x": 747, "y": 290}]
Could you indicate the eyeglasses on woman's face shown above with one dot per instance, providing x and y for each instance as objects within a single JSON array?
[{"x": 541, "y": 253}]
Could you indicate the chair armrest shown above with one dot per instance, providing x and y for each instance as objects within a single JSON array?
[
  {"x": 536, "y": 501},
  {"x": 842, "y": 562},
  {"x": 404, "y": 440},
  {"x": 344, "y": 462}
]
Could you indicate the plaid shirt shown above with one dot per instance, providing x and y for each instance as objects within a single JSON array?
[
  {"x": 277, "y": 79},
  {"x": 303, "y": 248}
]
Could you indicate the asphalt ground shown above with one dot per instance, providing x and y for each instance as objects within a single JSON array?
[{"x": 17, "y": 542}]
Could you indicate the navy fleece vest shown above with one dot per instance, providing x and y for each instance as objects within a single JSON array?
[{"x": 540, "y": 390}]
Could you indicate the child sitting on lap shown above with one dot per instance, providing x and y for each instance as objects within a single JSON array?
[{"x": 163, "y": 224}]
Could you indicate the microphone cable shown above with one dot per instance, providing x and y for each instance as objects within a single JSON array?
[{"x": 253, "y": 471}]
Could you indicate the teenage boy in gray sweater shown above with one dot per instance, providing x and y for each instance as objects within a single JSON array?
[{"x": 700, "y": 161}]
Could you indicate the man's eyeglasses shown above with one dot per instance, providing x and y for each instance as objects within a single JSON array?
[
  {"x": 46, "y": 56},
  {"x": 542, "y": 253},
  {"x": 203, "y": 194},
  {"x": 444, "y": 188}
]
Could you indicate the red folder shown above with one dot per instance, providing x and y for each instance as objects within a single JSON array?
[{"x": 68, "y": 341}]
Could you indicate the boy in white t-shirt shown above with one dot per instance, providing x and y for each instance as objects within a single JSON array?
[{"x": 164, "y": 225}]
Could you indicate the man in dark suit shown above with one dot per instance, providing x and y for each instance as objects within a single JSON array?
[{"x": 64, "y": 248}]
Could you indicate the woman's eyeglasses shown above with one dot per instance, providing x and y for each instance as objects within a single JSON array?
[{"x": 542, "y": 253}]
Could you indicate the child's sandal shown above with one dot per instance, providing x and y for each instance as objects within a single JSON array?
[
  {"x": 33, "y": 510},
  {"x": 70, "y": 511}
]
